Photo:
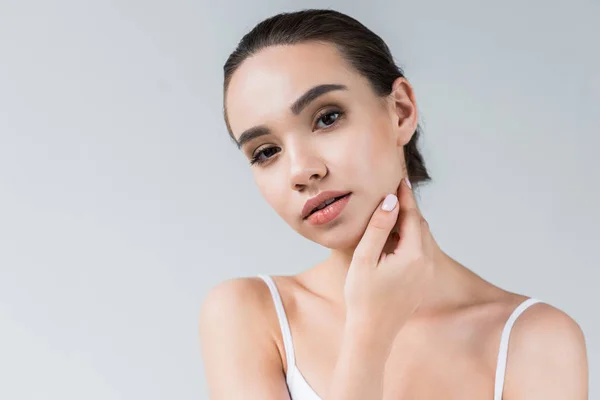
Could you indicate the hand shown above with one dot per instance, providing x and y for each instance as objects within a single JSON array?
[{"x": 383, "y": 289}]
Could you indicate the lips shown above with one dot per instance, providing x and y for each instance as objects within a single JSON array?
[{"x": 320, "y": 201}]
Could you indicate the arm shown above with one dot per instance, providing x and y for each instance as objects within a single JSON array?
[
  {"x": 547, "y": 357},
  {"x": 359, "y": 370},
  {"x": 240, "y": 356}
]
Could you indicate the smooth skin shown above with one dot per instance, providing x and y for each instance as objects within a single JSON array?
[{"x": 387, "y": 315}]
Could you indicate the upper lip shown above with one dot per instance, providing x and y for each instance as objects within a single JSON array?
[{"x": 318, "y": 199}]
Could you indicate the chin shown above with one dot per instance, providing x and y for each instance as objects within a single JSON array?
[
  {"x": 341, "y": 243},
  {"x": 341, "y": 234}
]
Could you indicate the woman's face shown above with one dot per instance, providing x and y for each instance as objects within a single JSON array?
[{"x": 343, "y": 138}]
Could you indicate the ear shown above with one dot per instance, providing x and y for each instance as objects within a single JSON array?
[{"x": 404, "y": 110}]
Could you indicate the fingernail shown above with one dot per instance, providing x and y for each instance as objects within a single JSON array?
[
  {"x": 389, "y": 203},
  {"x": 408, "y": 182}
]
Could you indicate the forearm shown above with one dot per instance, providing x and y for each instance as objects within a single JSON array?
[{"x": 359, "y": 371}]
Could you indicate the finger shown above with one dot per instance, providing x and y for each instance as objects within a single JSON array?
[
  {"x": 429, "y": 246},
  {"x": 406, "y": 199},
  {"x": 409, "y": 218},
  {"x": 406, "y": 196},
  {"x": 427, "y": 239},
  {"x": 380, "y": 225}
]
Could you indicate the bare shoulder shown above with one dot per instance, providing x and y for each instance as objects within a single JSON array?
[
  {"x": 547, "y": 353},
  {"x": 237, "y": 301},
  {"x": 542, "y": 321},
  {"x": 234, "y": 293},
  {"x": 244, "y": 306},
  {"x": 547, "y": 350},
  {"x": 237, "y": 341}
]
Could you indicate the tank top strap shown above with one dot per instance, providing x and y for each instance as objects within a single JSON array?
[
  {"x": 283, "y": 324},
  {"x": 503, "y": 349}
]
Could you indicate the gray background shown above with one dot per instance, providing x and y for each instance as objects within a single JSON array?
[{"x": 122, "y": 199}]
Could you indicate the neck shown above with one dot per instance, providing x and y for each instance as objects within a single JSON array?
[{"x": 451, "y": 281}]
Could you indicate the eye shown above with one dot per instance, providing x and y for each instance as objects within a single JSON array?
[
  {"x": 328, "y": 118},
  {"x": 263, "y": 155}
]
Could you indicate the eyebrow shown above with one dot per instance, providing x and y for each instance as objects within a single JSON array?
[{"x": 296, "y": 108}]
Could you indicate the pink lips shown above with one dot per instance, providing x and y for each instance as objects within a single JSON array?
[{"x": 328, "y": 213}]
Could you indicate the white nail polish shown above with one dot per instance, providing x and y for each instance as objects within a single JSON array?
[{"x": 389, "y": 203}]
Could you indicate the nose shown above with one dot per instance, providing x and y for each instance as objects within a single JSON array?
[{"x": 306, "y": 167}]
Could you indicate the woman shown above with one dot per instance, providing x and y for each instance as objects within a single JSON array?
[{"x": 329, "y": 124}]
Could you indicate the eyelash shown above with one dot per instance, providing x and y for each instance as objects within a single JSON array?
[{"x": 257, "y": 161}]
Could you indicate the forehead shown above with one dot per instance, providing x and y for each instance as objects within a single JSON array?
[{"x": 267, "y": 83}]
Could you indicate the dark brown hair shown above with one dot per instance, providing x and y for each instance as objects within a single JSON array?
[{"x": 362, "y": 48}]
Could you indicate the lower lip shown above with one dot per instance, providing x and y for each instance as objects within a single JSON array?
[{"x": 328, "y": 213}]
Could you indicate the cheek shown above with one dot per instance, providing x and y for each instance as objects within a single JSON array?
[
  {"x": 348, "y": 155},
  {"x": 365, "y": 157},
  {"x": 385, "y": 156}
]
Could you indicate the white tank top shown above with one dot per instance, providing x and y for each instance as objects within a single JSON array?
[{"x": 300, "y": 389}]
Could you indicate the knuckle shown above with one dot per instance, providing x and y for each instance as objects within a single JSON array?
[
  {"x": 381, "y": 221},
  {"x": 416, "y": 256}
]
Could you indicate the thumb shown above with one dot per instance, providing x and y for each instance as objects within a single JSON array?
[
  {"x": 406, "y": 196},
  {"x": 368, "y": 250}
]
